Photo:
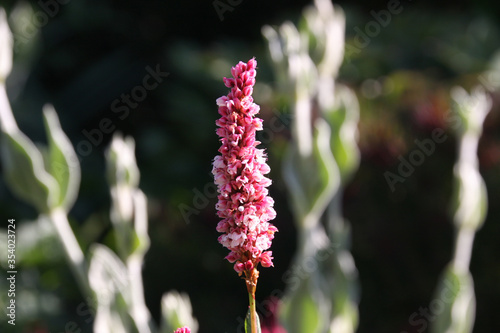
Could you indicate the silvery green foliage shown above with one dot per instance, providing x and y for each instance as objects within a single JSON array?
[
  {"x": 455, "y": 296},
  {"x": 63, "y": 162},
  {"x": 128, "y": 205},
  {"x": 110, "y": 282},
  {"x": 6, "y": 49},
  {"x": 470, "y": 203},
  {"x": 321, "y": 158},
  {"x": 117, "y": 280},
  {"x": 49, "y": 179},
  {"x": 123, "y": 177},
  {"x": 469, "y": 211},
  {"x": 24, "y": 167},
  {"x": 122, "y": 281}
]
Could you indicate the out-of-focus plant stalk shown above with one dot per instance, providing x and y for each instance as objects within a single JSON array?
[
  {"x": 469, "y": 213},
  {"x": 54, "y": 209},
  {"x": 130, "y": 219},
  {"x": 139, "y": 309},
  {"x": 321, "y": 158},
  {"x": 72, "y": 249}
]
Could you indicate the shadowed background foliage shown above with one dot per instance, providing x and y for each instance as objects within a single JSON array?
[{"x": 90, "y": 55}]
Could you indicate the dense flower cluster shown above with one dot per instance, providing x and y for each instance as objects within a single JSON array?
[{"x": 244, "y": 204}]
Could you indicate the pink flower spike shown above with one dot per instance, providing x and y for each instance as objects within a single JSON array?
[
  {"x": 244, "y": 204},
  {"x": 184, "y": 329}
]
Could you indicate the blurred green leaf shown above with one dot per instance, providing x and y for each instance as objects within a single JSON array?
[
  {"x": 343, "y": 120},
  {"x": 107, "y": 273},
  {"x": 471, "y": 108},
  {"x": 341, "y": 279},
  {"x": 176, "y": 312},
  {"x": 248, "y": 322},
  {"x": 112, "y": 320},
  {"x": 121, "y": 165},
  {"x": 345, "y": 321},
  {"x": 63, "y": 161},
  {"x": 25, "y": 174},
  {"x": 129, "y": 204},
  {"x": 40, "y": 243},
  {"x": 470, "y": 198},
  {"x": 456, "y": 303},
  {"x": 313, "y": 180},
  {"x": 140, "y": 231},
  {"x": 108, "y": 279},
  {"x": 6, "y": 49},
  {"x": 301, "y": 312}
]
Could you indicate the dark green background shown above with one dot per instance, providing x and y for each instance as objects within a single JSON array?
[{"x": 91, "y": 52}]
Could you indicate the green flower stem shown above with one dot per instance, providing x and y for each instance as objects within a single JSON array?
[
  {"x": 253, "y": 313},
  {"x": 72, "y": 249}
]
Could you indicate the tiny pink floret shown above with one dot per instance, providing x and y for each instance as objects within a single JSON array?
[
  {"x": 184, "y": 329},
  {"x": 244, "y": 204}
]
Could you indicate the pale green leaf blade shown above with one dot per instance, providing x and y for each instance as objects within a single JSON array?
[
  {"x": 343, "y": 119},
  {"x": 454, "y": 303},
  {"x": 63, "y": 161},
  {"x": 6, "y": 49},
  {"x": 110, "y": 283},
  {"x": 177, "y": 312},
  {"x": 142, "y": 241},
  {"x": 300, "y": 312},
  {"x": 340, "y": 277},
  {"x": 313, "y": 180},
  {"x": 248, "y": 322},
  {"x": 470, "y": 198},
  {"x": 25, "y": 174}
]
